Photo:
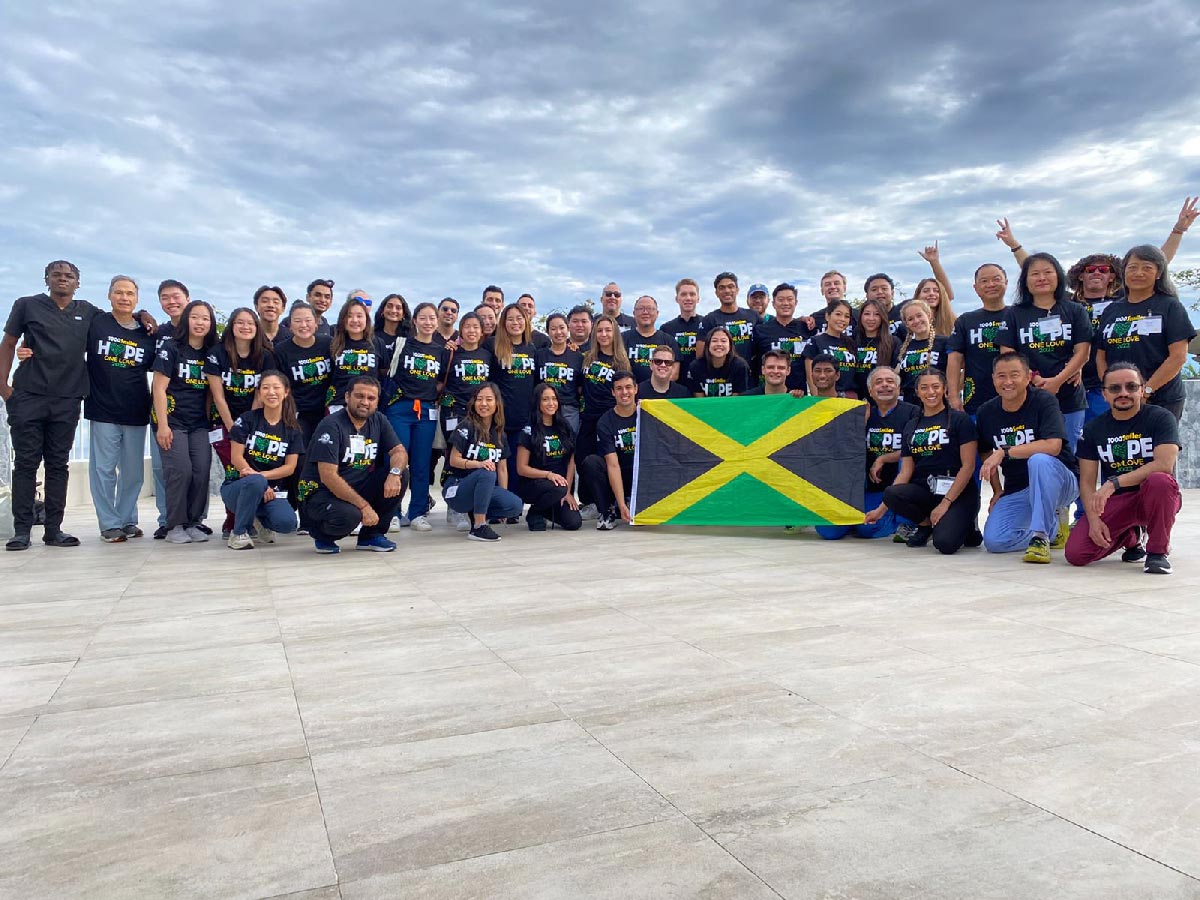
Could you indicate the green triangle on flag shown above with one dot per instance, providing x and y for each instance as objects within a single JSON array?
[{"x": 755, "y": 504}]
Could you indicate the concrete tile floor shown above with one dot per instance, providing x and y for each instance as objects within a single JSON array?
[{"x": 638, "y": 714}]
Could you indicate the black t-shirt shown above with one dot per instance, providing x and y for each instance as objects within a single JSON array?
[
  {"x": 551, "y": 452},
  {"x": 675, "y": 391},
  {"x": 896, "y": 322},
  {"x": 58, "y": 339},
  {"x": 640, "y": 350},
  {"x": 684, "y": 333},
  {"x": 516, "y": 382},
  {"x": 974, "y": 336},
  {"x": 843, "y": 351},
  {"x": 563, "y": 372},
  {"x": 759, "y": 390},
  {"x": 467, "y": 370},
  {"x": 866, "y": 358},
  {"x": 934, "y": 443},
  {"x": 239, "y": 379},
  {"x": 118, "y": 359},
  {"x": 617, "y": 434},
  {"x": 187, "y": 390},
  {"x": 266, "y": 446},
  {"x": 417, "y": 373},
  {"x": 1142, "y": 333},
  {"x": 539, "y": 340},
  {"x": 885, "y": 434},
  {"x": 478, "y": 447},
  {"x": 719, "y": 381},
  {"x": 624, "y": 321},
  {"x": 357, "y": 357},
  {"x": 283, "y": 334},
  {"x": 438, "y": 338},
  {"x": 819, "y": 323},
  {"x": 1039, "y": 418},
  {"x": 1048, "y": 338},
  {"x": 771, "y": 334},
  {"x": 1123, "y": 446},
  {"x": 387, "y": 346},
  {"x": 597, "y": 385},
  {"x": 307, "y": 369},
  {"x": 1095, "y": 309},
  {"x": 335, "y": 440},
  {"x": 740, "y": 325},
  {"x": 918, "y": 355}
]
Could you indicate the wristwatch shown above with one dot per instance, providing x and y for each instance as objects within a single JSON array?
[
  {"x": 1005, "y": 448},
  {"x": 1115, "y": 481},
  {"x": 395, "y": 471}
]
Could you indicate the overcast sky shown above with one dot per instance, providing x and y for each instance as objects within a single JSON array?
[{"x": 431, "y": 148}]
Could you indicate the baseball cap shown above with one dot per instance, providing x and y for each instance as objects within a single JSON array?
[{"x": 757, "y": 289}]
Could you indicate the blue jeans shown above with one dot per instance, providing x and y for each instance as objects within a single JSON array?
[
  {"x": 1074, "y": 422},
  {"x": 1096, "y": 406},
  {"x": 478, "y": 493},
  {"x": 116, "y": 470},
  {"x": 245, "y": 498},
  {"x": 883, "y": 528},
  {"x": 417, "y": 437},
  {"x": 1015, "y": 517}
]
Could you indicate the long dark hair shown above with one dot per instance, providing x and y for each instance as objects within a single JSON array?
[
  {"x": 538, "y": 429},
  {"x": 260, "y": 347},
  {"x": 338, "y": 344},
  {"x": 708, "y": 360},
  {"x": 883, "y": 343},
  {"x": 497, "y": 417},
  {"x": 185, "y": 337},
  {"x": 1149, "y": 253},
  {"x": 1024, "y": 295},
  {"x": 403, "y": 328},
  {"x": 290, "y": 418}
]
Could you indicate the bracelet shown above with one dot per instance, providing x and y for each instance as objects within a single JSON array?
[
  {"x": 1176, "y": 231},
  {"x": 1015, "y": 249}
]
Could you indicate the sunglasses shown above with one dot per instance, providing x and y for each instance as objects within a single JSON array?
[
  {"x": 1129, "y": 388},
  {"x": 612, "y": 293},
  {"x": 1101, "y": 270},
  {"x": 662, "y": 362}
]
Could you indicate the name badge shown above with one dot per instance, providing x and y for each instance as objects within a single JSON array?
[
  {"x": 433, "y": 413},
  {"x": 1150, "y": 325},
  {"x": 280, "y": 495},
  {"x": 939, "y": 485},
  {"x": 451, "y": 424},
  {"x": 358, "y": 445},
  {"x": 1051, "y": 326},
  {"x": 335, "y": 409},
  {"x": 216, "y": 435},
  {"x": 451, "y": 490},
  {"x": 1099, "y": 308}
]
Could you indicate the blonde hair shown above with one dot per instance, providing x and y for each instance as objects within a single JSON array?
[
  {"x": 619, "y": 354},
  {"x": 941, "y": 320},
  {"x": 919, "y": 305}
]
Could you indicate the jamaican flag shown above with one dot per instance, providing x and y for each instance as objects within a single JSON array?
[{"x": 777, "y": 460}]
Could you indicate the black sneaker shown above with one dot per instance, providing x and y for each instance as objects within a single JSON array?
[
  {"x": 974, "y": 539},
  {"x": 204, "y": 528},
  {"x": 512, "y": 520},
  {"x": 483, "y": 533},
  {"x": 1137, "y": 552},
  {"x": 903, "y": 533},
  {"x": 920, "y": 536},
  {"x": 131, "y": 531},
  {"x": 1157, "y": 564},
  {"x": 18, "y": 542},
  {"x": 160, "y": 532},
  {"x": 535, "y": 522}
]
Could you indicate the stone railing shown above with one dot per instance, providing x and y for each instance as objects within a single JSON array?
[{"x": 1188, "y": 468}]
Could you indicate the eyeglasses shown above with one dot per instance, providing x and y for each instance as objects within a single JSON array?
[
  {"x": 1094, "y": 270},
  {"x": 662, "y": 362},
  {"x": 612, "y": 293},
  {"x": 1129, "y": 388}
]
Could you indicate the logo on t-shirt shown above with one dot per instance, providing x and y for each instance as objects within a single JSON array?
[
  {"x": 1127, "y": 330},
  {"x": 599, "y": 373},
  {"x": 120, "y": 353},
  {"x": 793, "y": 347},
  {"x": 472, "y": 371},
  {"x": 883, "y": 439},
  {"x": 552, "y": 446},
  {"x": 191, "y": 373},
  {"x": 983, "y": 336},
  {"x": 928, "y": 440},
  {"x": 422, "y": 366},
  {"x": 357, "y": 362},
  {"x": 311, "y": 371},
  {"x": 556, "y": 374},
  {"x": 717, "y": 387},
  {"x": 625, "y": 439},
  {"x": 362, "y": 457},
  {"x": 522, "y": 365},
  {"x": 1126, "y": 452},
  {"x": 1013, "y": 436}
]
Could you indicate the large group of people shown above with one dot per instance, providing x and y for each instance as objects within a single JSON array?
[{"x": 1070, "y": 395}]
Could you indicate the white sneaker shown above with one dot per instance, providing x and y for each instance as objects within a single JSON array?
[
  {"x": 589, "y": 512},
  {"x": 264, "y": 535},
  {"x": 451, "y": 516},
  {"x": 404, "y": 523},
  {"x": 196, "y": 535},
  {"x": 240, "y": 542},
  {"x": 395, "y": 524},
  {"x": 420, "y": 523},
  {"x": 357, "y": 529},
  {"x": 462, "y": 522},
  {"x": 178, "y": 535}
]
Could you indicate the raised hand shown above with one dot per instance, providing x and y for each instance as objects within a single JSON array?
[
  {"x": 930, "y": 253},
  {"x": 1188, "y": 214},
  {"x": 1005, "y": 234}
]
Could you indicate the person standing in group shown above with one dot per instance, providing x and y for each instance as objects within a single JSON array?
[
  {"x": 447, "y": 333},
  {"x": 469, "y": 366},
  {"x": 825, "y": 377},
  {"x": 353, "y": 350},
  {"x": 610, "y": 305},
  {"x": 834, "y": 341},
  {"x": 1131, "y": 450},
  {"x": 776, "y": 367},
  {"x": 609, "y": 471},
  {"x": 782, "y": 332},
  {"x": 493, "y": 299},
  {"x": 756, "y": 300},
  {"x": 269, "y": 304},
  {"x": 684, "y": 329},
  {"x": 44, "y": 398},
  {"x": 478, "y": 483},
  {"x": 659, "y": 385},
  {"x": 605, "y": 355},
  {"x": 936, "y": 486},
  {"x": 173, "y": 296},
  {"x": 718, "y": 371},
  {"x": 529, "y": 309},
  {"x": 641, "y": 340},
  {"x": 345, "y": 484},
  {"x": 487, "y": 321},
  {"x": 1149, "y": 328},
  {"x": 875, "y": 345},
  {"x": 119, "y": 356},
  {"x": 922, "y": 348},
  {"x": 881, "y": 289},
  {"x": 318, "y": 295},
  {"x": 546, "y": 464},
  {"x": 181, "y": 403},
  {"x": 887, "y": 418},
  {"x": 411, "y": 392},
  {"x": 1095, "y": 282},
  {"x": 833, "y": 289},
  {"x": 515, "y": 375},
  {"x": 266, "y": 446},
  {"x": 562, "y": 368},
  {"x": 738, "y": 322},
  {"x": 233, "y": 368},
  {"x": 1054, "y": 333},
  {"x": 392, "y": 320},
  {"x": 579, "y": 327},
  {"x": 936, "y": 296},
  {"x": 1022, "y": 435},
  {"x": 972, "y": 346}
]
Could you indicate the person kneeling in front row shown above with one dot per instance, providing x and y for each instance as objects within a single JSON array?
[
  {"x": 345, "y": 482},
  {"x": 546, "y": 464},
  {"x": 1133, "y": 448},
  {"x": 609, "y": 473},
  {"x": 477, "y": 483}
]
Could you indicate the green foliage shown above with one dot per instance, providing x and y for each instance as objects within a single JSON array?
[{"x": 1188, "y": 280}]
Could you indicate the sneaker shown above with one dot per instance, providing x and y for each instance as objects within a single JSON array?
[
  {"x": 17, "y": 542},
  {"x": 357, "y": 529},
  {"x": 226, "y": 533},
  {"x": 606, "y": 523},
  {"x": 1064, "y": 530},
  {"x": 535, "y": 521},
  {"x": 588, "y": 512},
  {"x": 483, "y": 533},
  {"x": 420, "y": 523},
  {"x": 1038, "y": 551},
  {"x": 264, "y": 535},
  {"x": 1137, "y": 552},
  {"x": 62, "y": 539},
  {"x": 160, "y": 533},
  {"x": 132, "y": 531},
  {"x": 113, "y": 536},
  {"x": 903, "y": 533},
  {"x": 198, "y": 534},
  {"x": 303, "y": 532},
  {"x": 462, "y": 522},
  {"x": 432, "y": 504},
  {"x": 1157, "y": 564},
  {"x": 403, "y": 520},
  {"x": 328, "y": 547},
  {"x": 240, "y": 542},
  {"x": 376, "y": 543},
  {"x": 178, "y": 535},
  {"x": 200, "y": 526},
  {"x": 450, "y": 516},
  {"x": 974, "y": 539},
  {"x": 494, "y": 521},
  {"x": 512, "y": 520},
  {"x": 920, "y": 536}
]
